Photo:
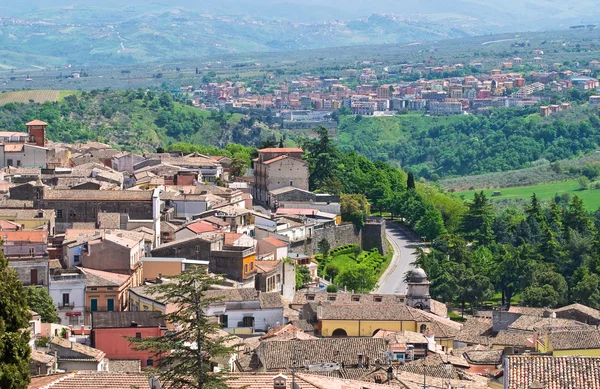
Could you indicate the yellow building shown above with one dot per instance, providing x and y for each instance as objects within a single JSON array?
[
  {"x": 579, "y": 341},
  {"x": 364, "y": 320},
  {"x": 30, "y": 219}
]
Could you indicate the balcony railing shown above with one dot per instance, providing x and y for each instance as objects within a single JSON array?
[{"x": 66, "y": 305}]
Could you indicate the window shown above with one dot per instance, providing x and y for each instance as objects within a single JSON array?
[
  {"x": 149, "y": 362},
  {"x": 110, "y": 305},
  {"x": 18, "y": 163},
  {"x": 356, "y": 298},
  {"x": 65, "y": 299},
  {"x": 32, "y": 251},
  {"x": 9, "y": 162},
  {"x": 248, "y": 321},
  {"x": 59, "y": 213},
  {"x": 251, "y": 266},
  {"x": 310, "y": 297},
  {"x": 138, "y": 335},
  {"x": 94, "y": 288},
  {"x": 246, "y": 268},
  {"x": 94, "y": 305},
  {"x": 197, "y": 248},
  {"x": 223, "y": 320},
  {"x": 33, "y": 276},
  {"x": 77, "y": 259},
  {"x": 72, "y": 214},
  {"x": 145, "y": 308},
  {"x": 378, "y": 299},
  {"x": 291, "y": 183},
  {"x": 110, "y": 288},
  {"x": 331, "y": 297}
]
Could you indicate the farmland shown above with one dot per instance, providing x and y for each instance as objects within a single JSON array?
[
  {"x": 33, "y": 96},
  {"x": 544, "y": 192}
]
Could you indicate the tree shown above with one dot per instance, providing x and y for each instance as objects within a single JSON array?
[
  {"x": 431, "y": 225},
  {"x": 238, "y": 166},
  {"x": 354, "y": 208},
  {"x": 477, "y": 221},
  {"x": 324, "y": 247},
  {"x": 410, "y": 181},
  {"x": 584, "y": 183},
  {"x": 302, "y": 276},
  {"x": 185, "y": 351},
  {"x": 14, "y": 336},
  {"x": 357, "y": 277},
  {"x": 39, "y": 301}
]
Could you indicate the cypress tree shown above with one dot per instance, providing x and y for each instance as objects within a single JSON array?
[{"x": 14, "y": 336}]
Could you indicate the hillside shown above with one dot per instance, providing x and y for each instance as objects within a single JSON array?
[
  {"x": 133, "y": 120},
  {"x": 507, "y": 139},
  {"x": 97, "y": 33}
]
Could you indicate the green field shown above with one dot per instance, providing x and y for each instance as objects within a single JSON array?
[
  {"x": 544, "y": 192},
  {"x": 37, "y": 96}
]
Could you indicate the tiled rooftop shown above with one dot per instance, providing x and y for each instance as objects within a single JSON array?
[{"x": 552, "y": 372}]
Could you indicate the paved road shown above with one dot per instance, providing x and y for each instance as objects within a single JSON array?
[{"x": 404, "y": 243}]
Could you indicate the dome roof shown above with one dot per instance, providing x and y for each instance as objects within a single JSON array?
[{"x": 418, "y": 275}]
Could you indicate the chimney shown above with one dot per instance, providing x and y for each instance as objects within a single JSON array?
[
  {"x": 319, "y": 311},
  {"x": 279, "y": 382}
]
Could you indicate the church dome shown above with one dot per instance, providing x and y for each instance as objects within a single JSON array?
[{"x": 418, "y": 276}]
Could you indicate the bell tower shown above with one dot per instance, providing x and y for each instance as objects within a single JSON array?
[
  {"x": 37, "y": 132},
  {"x": 418, "y": 290}
]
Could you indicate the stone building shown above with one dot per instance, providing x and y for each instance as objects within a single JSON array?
[
  {"x": 24, "y": 149},
  {"x": 418, "y": 290},
  {"x": 277, "y": 168}
]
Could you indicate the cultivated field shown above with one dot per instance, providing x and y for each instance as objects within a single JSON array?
[
  {"x": 544, "y": 192},
  {"x": 33, "y": 96}
]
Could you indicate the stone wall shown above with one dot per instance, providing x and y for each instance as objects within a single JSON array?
[
  {"x": 373, "y": 236},
  {"x": 370, "y": 237}
]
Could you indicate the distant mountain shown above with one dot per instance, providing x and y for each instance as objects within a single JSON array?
[{"x": 91, "y": 32}]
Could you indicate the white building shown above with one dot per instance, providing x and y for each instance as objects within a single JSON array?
[{"x": 67, "y": 289}]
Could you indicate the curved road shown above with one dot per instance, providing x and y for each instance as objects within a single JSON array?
[{"x": 404, "y": 242}]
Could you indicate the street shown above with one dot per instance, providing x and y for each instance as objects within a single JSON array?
[{"x": 404, "y": 243}]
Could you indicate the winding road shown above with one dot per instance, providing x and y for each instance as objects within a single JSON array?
[{"x": 404, "y": 242}]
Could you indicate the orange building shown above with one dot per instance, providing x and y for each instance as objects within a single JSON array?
[{"x": 105, "y": 292}]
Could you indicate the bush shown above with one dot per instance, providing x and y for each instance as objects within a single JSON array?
[{"x": 332, "y": 288}]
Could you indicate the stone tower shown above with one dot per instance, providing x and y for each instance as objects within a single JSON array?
[
  {"x": 418, "y": 290},
  {"x": 37, "y": 132}
]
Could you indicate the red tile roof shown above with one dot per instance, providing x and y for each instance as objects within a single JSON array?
[
  {"x": 25, "y": 236},
  {"x": 552, "y": 372},
  {"x": 230, "y": 238},
  {"x": 201, "y": 227},
  {"x": 36, "y": 123},
  {"x": 276, "y": 159},
  {"x": 13, "y": 148},
  {"x": 275, "y": 242},
  {"x": 91, "y": 379},
  {"x": 7, "y": 225}
]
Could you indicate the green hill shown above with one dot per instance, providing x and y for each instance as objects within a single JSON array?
[{"x": 133, "y": 120}]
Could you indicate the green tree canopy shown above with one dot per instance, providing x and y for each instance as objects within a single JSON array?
[{"x": 39, "y": 300}]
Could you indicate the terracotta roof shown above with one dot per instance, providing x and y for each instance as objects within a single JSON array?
[
  {"x": 552, "y": 372},
  {"x": 91, "y": 380},
  {"x": 280, "y": 354},
  {"x": 528, "y": 311},
  {"x": 103, "y": 278},
  {"x": 484, "y": 357},
  {"x": 475, "y": 331},
  {"x": 303, "y": 296},
  {"x": 264, "y": 381},
  {"x": 513, "y": 338},
  {"x": 41, "y": 357},
  {"x": 7, "y": 225},
  {"x": 36, "y": 122},
  {"x": 275, "y": 242},
  {"x": 405, "y": 337},
  {"x": 383, "y": 312},
  {"x": 276, "y": 159},
  {"x": 281, "y": 150},
  {"x": 594, "y": 313},
  {"x": 77, "y": 347},
  {"x": 286, "y": 332},
  {"x": 266, "y": 266},
  {"x": 231, "y": 237},
  {"x": 29, "y": 236},
  {"x": 200, "y": 227},
  {"x": 109, "y": 220},
  {"x": 574, "y": 339},
  {"x": 531, "y": 323}
]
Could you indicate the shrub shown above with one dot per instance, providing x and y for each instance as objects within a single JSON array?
[{"x": 332, "y": 288}]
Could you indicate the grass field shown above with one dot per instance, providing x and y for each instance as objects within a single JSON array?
[
  {"x": 544, "y": 192},
  {"x": 38, "y": 96}
]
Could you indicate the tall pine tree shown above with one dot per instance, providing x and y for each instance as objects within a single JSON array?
[{"x": 14, "y": 336}]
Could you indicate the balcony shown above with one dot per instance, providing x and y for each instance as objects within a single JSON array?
[{"x": 65, "y": 305}]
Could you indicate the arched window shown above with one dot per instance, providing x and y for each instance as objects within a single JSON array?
[
  {"x": 339, "y": 333},
  {"x": 423, "y": 328}
]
